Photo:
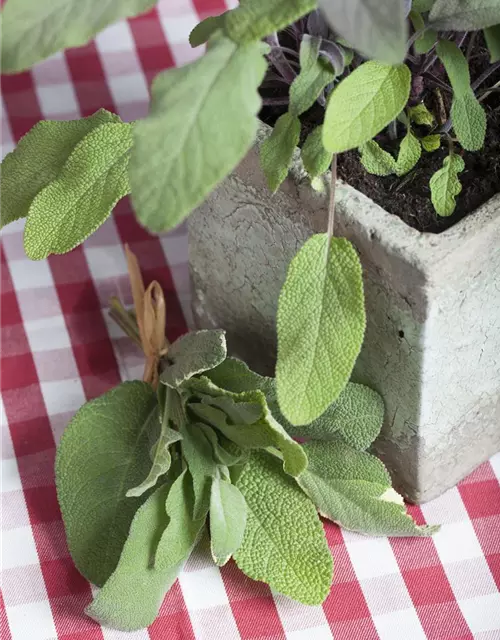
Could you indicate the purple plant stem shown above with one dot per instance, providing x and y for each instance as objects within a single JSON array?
[
  {"x": 486, "y": 74},
  {"x": 277, "y": 58}
]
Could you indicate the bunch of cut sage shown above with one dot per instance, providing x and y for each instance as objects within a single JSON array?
[{"x": 142, "y": 473}]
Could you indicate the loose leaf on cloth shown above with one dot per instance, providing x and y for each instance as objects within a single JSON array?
[
  {"x": 93, "y": 179},
  {"x": 315, "y": 74},
  {"x": 161, "y": 456},
  {"x": 431, "y": 143},
  {"x": 103, "y": 451},
  {"x": 469, "y": 121},
  {"x": 356, "y": 417},
  {"x": 35, "y": 29},
  {"x": 364, "y": 103},
  {"x": 182, "y": 142},
  {"x": 284, "y": 543},
  {"x": 376, "y": 160},
  {"x": 183, "y": 530},
  {"x": 254, "y": 20},
  {"x": 377, "y": 29},
  {"x": 194, "y": 353},
  {"x": 409, "y": 154},
  {"x": 132, "y": 596},
  {"x": 277, "y": 151},
  {"x": 315, "y": 157},
  {"x": 354, "y": 489},
  {"x": 204, "y": 29},
  {"x": 263, "y": 433},
  {"x": 464, "y": 15},
  {"x": 492, "y": 37},
  {"x": 38, "y": 160},
  {"x": 228, "y": 518},
  {"x": 445, "y": 185},
  {"x": 321, "y": 323}
]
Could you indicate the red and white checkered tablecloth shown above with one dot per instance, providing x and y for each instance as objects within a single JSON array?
[{"x": 59, "y": 349}]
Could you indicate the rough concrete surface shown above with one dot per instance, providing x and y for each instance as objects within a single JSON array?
[{"x": 432, "y": 346}]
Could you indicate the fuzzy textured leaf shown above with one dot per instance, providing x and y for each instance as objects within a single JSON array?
[
  {"x": 81, "y": 198},
  {"x": 103, "y": 451},
  {"x": 409, "y": 154},
  {"x": 456, "y": 66},
  {"x": 35, "y": 29},
  {"x": 132, "y": 596},
  {"x": 356, "y": 417},
  {"x": 422, "y": 6},
  {"x": 204, "y": 29},
  {"x": 225, "y": 452},
  {"x": 183, "y": 530},
  {"x": 492, "y": 37},
  {"x": 315, "y": 157},
  {"x": 315, "y": 74},
  {"x": 377, "y": 29},
  {"x": 431, "y": 143},
  {"x": 364, "y": 103},
  {"x": 38, "y": 160},
  {"x": 284, "y": 543},
  {"x": 161, "y": 458},
  {"x": 262, "y": 433},
  {"x": 228, "y": 518},
  {"x": 420, "y": 114},
  {"x": 464, "y": 15},
  {"x": 428, "y": 36},
  {"x": 254, "y": 20},
  {"x": 469, "y": 121},
  {"x": 277, "y": 151},
  {"x": 321, "y": 323},
  {"x": 194, "y": 353},
  {"x": 445, "y": 185},
  {"x": 354, "y": 489},
  {"x": 168, "y": 143},
  {"x": 376, "y": 160}
]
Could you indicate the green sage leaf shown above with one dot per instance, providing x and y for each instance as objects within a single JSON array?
[
  {"x": 376, "y": 29},
  {"x": 321, "y": 323},
  {"x": 194, "y": 353},
  {"x": 460, "y": 15},
  {"x": 103, "y": 451},
  {"x": 492, "y": 37},
  {"x": 315, "y": 157},
  {"x": 431, "y": 143},
  {"x": 182, "y": 142},
  {"x": 132, "y": 596},
  {"x": 422, "y": 6},
  {"x": 456, "y": 66},
  {"x": 225, "y": 451},
  {"x": 356, "y": 417},
  {"x": 354, "y": 489},
  {"x": 183, "y": 530},
  {"x": 420, "y": 114},
  {"x": 263, "y": 433},
  {"x": 277, "y": 151},
  {"x": 228, "y": 518},
  {"x": 93, "y": 179},
  {"x": 469, "y": 121},
  {"x": 252, "y": 21},
  {"x": 364, "y": 103},
  {"x": 315, "y": 74},
  {"x": 161, "y": 456},
  {"x": 205, "y": 29},
  {"x": 35, "y": 29},
  {"x": 284, "y": 544},
  {"x": 409, "y": 154},
  {"x": 376, "y": 160},
  {"x": 445, "y": 185},
  {"x": 39, "y": 158},
  {"x": 428, "y": 37}
]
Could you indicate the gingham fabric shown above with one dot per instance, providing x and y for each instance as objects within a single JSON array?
[{"x": 59, "y": 349}]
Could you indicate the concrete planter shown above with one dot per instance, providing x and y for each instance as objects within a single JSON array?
[{"x": 432, "y": 346}]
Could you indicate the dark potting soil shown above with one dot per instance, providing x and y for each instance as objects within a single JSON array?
[{"x": 409, "y": 196}]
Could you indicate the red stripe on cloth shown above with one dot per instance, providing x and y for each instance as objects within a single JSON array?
[
  {"x": 153, "y": 49},
  {"x": 4, "y": 623},
  {"x": 21, "y": 103},
  {"x": 206, "y": 8},
  {"x": 173, "y": 620}
]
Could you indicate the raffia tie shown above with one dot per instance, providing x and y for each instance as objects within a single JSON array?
[{"x": 151, "y": 318}]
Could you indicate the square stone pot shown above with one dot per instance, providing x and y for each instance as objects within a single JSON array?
[{"x": 432, "y": 345}]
